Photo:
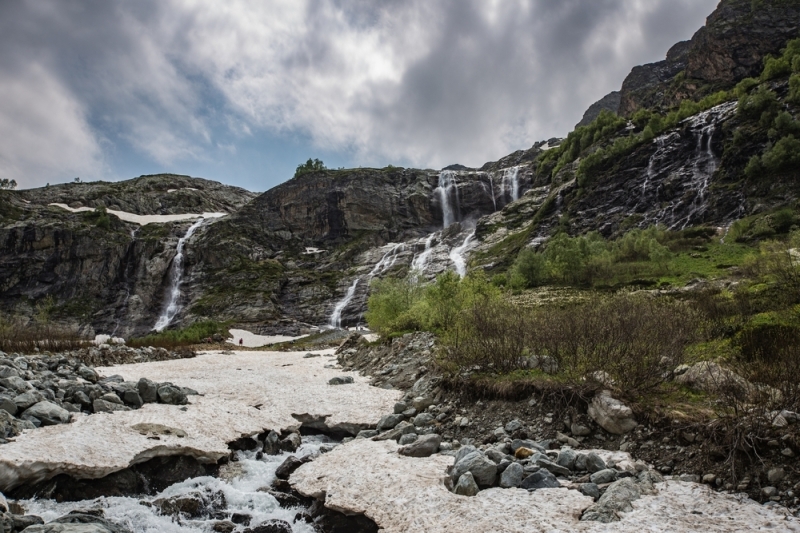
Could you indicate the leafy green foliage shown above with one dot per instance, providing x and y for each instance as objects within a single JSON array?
[
  {"x": 312, "y": 165},
  {"x": 194, "y": 334}
]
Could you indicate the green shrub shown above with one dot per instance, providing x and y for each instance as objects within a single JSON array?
[
  {"x": 776, "y": 67},
  {"x": 744, "y": 87},
  {"x": 194, "y": 334},
  {"x": 784, "y": 154},
  {"x": 794, "y": 87},
  {"x": 312, "y": 165},
  {"x": 756, "y": 105}
]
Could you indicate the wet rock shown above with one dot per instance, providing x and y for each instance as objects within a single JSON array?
[
  {"x": 482, "y": 468},
  {"x": 424, "y": 446},
  {"x": 291, "y": 443},
  {"x": 272, "y": 444},
  {"x": 76, "y": 522},
  {"x": 541, "y": 479},
  {"x": 48, "y": 413},
  {"x": 466, "y": 485},
  {"x": 288, "y": 466},
  {"x": 611, "y": 414},
  {"x": 271, "y": 526},
  {"x": 132, "y": 398},
  {"x": 340, "y": 380},
  {"x": 223, "y": 526},
  {"x": 512, "y": 476}
]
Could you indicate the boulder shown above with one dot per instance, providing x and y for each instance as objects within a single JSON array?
[
  {"x": 271, "y": 526},
  {"x": 541, "y": 479},
  {"x": 48, "y": 413},
  {"x": 77, "y": 522},
  {"x": 611, "y": 414},
  {"x": 512, "y": 476},
  {"x": 566, "y": 458},
  {"x": 590, "y": 489},
  {"x": 389, "y": 422},
  {"x": 601, "y": 477},
  {"x": 291, "y": 442},
  {"x": 618, "y": 497},
  {"x": 341, "y": 380},
  {"x": 403, "y": 428},
  {"x": 482, "y": 468},
  {"x": 170, "y": 394},
  {"x": 104, "y": 406},
  {"x": 148, "y": 390},
  {"x": 272, "y": 444},
  {"x": 423, "y": 419},
  {"x": 424, "y": 446},
  {"x": 289, "y": 465},
  {"x": 466, "y": 485}
]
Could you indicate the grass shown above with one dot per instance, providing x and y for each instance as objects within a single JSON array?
[{"x": 197, "y": 333}]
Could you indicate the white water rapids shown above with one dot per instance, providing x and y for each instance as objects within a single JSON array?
[{"x": 241, "y": 495}]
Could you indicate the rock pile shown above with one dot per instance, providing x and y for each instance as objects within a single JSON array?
[{"x": 45, "y": 390}]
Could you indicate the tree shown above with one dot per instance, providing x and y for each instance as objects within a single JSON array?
[
  {"x": 312, "y": 165},
  {"x": 6, "y": 183}
]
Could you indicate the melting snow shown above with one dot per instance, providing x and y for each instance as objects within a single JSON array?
[{"x": 144, "y": 219}]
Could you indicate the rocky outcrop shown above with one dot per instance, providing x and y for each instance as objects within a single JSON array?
[
  {"x": 732, "y": 45},
  {"x": 609, "y": 102}
]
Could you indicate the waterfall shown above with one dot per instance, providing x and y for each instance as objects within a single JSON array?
[
  {"x": 175, "y": 277},
  {"x": 491, "y": 184},
  {"x": 705, "y": 164},
  {"x": 510, "y": 182},
  {"x": 457, "y": 256},
  {"x": 448, "y": 191},
  {"x": 421, "y": 260},
  {"x": 336, "y": 317},
  {"x": 387, "y": 261},
  {"x": 660, "y": 143}
]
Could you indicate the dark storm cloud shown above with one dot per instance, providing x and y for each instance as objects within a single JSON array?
[{"x": 401, "y": 81}]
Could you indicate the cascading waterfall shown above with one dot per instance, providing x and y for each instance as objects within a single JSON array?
[
  {"x": 457, "y": 255},
  {"x": 176, "y": 276},
  {"x": 336, "y": 317},
  {"x": 494, "y": 198},
  {"x": 421, "y": 260},
  {"x": 660, "y": 142},
  {"x": 511, "y": 182},
  {"x": 386, "y": 262},
  {"x": 448, "y": 196}
]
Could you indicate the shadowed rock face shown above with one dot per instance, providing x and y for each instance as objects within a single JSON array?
[
  {"x": 609, "y": 102},
  {"x": 732, "y": 45}
]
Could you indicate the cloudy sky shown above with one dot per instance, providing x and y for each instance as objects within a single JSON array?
[{"x": 241, "y": 91}]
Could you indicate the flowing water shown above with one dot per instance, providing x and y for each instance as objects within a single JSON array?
[
  {"x": 421, "y": 260},
  {"x": 336, "y": 316},
  {"x": 448, "y": 197},
  {"x": 172, "y": 305},
  {"x": 239, "y": 494},
  {"x": 511, "y": 182},
  {"x": 457, "y": 255}
]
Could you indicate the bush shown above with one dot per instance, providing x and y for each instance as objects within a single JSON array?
[
  {"x": 757, "y": 105},
  {"x": 312, "y": 165},
  {"x": 784, "y": 154},
  {"x": 197, "y": 333},
  {"x": 390, "y": 303}
]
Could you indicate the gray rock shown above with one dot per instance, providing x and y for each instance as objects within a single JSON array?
[
  {"x": 77, "y": 522},
  {"x": 618, "y": 497},
  {"x": 513, "y": 426},
  {"x": 463, "y": 452},
  {"x": 423, "y": 419},
  {"x": 399, "y": 407},
  {"x": 272, "y": 445},
  {"x": 408, "y": 438},
  {"x": 132, "y": 398},
  {"x": 591, "y": 490},
  {"x": 403, "y": 428},
  {"x": 424, "y": 446},
  {"x": 340, "y": 380},
  {"x": 48, "y": 413},
  {"x": 88, "y": 374},
  {"x": 547, "y": 464},
  {"x": 769, "y": 492},
  {"x": 389, "y": 422},
  {"x": 566, "y": 458},
  {"x": 8, "y": 405},
  {"x": 367, "y": 433},
  {"x": 541, "y": 479},
  {"x": 611, "y": 414},
  {"x": 420, "y": 403},
  {"x": 520, "y": 443},
  {"x": 103, "y": 406},
  {"x": 466, "y": 486},
  {"x": 111, "y": 397},
  {"x": 27, "y": 399},
  {"x": 310, "y": 355},
  {"x": 495, "y": 455},
  {"x": 512, "y": 476},
  {"x": 291, "y": 442},
  {"x": 590, "y": 462},
  {"x": 603, "y": 476},
  {"x": 8, "y": 372},
  {"x": 776, "y": 475},
  {"x": 580, "y": 430},
  {"x": 148, "y": 390},
  {"x": 172, "y": 395},
  {"x": 483, "y": 469},
  {"x": 16, "y": 383}
]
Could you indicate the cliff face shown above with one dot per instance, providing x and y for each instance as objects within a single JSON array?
[{"x": 732, "y": 45}]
